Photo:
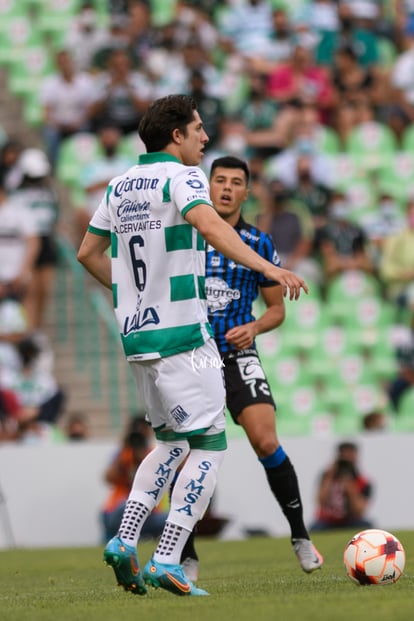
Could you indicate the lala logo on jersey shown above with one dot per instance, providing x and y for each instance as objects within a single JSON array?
[{"x": 141, "y": 319}]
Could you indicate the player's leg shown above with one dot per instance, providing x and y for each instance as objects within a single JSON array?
[
  {"x": 190, "y": 498},
  {"x": 151, "y": 481},
  {"x": 251, "y": 405},
  {"x": 192, "y": 390}
]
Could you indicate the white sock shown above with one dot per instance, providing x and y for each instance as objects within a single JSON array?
[
  {"x": 191, "y": 496},
  {"x": 171, "y": 544},
  {"x": 152, "y": 479}
]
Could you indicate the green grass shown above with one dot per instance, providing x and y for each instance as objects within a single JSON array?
[{"x": 256, "y": 580}]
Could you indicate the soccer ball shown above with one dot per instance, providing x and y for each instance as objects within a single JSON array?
[{"x": 374, "y": 556}]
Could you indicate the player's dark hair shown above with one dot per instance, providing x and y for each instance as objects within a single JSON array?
[
  {"x": 229, "y": 161},
  {"x": 162, "y": 117}
]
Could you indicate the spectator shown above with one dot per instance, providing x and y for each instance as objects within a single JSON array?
[
  {"x": 404, "y": 379},
  {"x": 9, "y": 155},
  {"x": 65, "y": 97},
  {"x": 384, "y": 220},
  {"x": 350, "y": 79},
  {"x": 231, "y": 140},
  {"x": 137, "y": 443},
  {"x": 85, "y": 36},
  {"x": 290, "y": 226},
  {"x": 310, "y": 192},
  {"x": 76, "y": 428},
  {"x": 36, "y": 193},
  {"x": 374, "y": 421},
  {"x": 305, "y": 130},
  {"x": 19, "y": 247},
  {"x": 397, "y": 262},
  {"x": 246, "y": 27},
  {"x": 118, "y": 39},
  {"x": 350, "y": 33},
  {"x": 211, "y": 108},
  {"x": 342, "y": 244},
  {"x": 35, "y": 386},
  {"x": 122, "y": 94},
  {"x": 279, "y": 46},
  {"x": 9, "y": 411},
  {"x": 96, "y": 175},
  {"x": 402, "y": 81},
  {"x": 142, "y": 35},
  {"x": 300, "y": 80},
  {"x": 343, "y": 493},
  {"x": 343, "y": 121},
  {"x": 267, "y": 128}
]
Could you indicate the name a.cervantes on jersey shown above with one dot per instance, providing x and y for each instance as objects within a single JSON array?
[{"x": 133, "y": 227}]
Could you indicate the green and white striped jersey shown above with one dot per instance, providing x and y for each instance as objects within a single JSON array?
[{"x": 158, "y": 259}]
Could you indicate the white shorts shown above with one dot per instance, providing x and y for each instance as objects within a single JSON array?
[{"x": 184, "y": 393}]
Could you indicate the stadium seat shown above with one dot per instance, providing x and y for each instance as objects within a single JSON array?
[
  {"x": 349, "y": 288},
  {"x": 32, "y": 111},
  {"x": 397, "y": 174},
  {"x": 407, "y": 141},
  {"x": 406, "y": 406},
  {"x": 54, "y": 17},
  {"x": 10, "y": 10},
  {"x": 345, "y": 170},
  {"x": 25, "y": 77},
  {"x": 74, "y": 153},
  {"x": 332, "y": 344},
  {"x": 362, "y": 196},
  {"x": 327, "y": 140},
  {"x": 14, "y": 40},
  {"x": 368, "y": 396},
  {"x": 131, "y": 146},
  {"x": 365, "y": 319},
  {"x": 297, "y": 408},
  {"x": 369, "y": 142},
  {"x": 304, "y": 319},
  {"x": 286, "y": 372},
  {"x": 347, "y": 423}
]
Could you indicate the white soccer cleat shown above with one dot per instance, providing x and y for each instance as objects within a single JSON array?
[{"x": 308, "y": 556}]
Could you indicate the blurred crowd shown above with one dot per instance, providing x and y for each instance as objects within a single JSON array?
[{"x": 317, "y": 96}]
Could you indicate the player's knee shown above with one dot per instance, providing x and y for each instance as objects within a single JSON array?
[{"x": 265, "y": 446}]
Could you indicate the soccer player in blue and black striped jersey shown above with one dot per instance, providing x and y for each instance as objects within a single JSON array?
[{"x": 231, "y": 290}]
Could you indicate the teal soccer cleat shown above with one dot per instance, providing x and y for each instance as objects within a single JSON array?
[
  {"x": 171, "y": 578},
  {"x": 124, "y": 561}
]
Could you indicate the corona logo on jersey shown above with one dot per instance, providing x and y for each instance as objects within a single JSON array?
[{"x": 219, "y": 294}]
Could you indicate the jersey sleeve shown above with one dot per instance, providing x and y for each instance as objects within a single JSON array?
[
  {"x": 100, "y": 223},
  {"x": 190, "y": 188},
  {"x": 268, "y": 252}
]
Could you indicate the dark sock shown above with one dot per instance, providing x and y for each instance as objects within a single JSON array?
[
  {"x": 284, "y": 485},
  {"x": 189, "y": 549}
]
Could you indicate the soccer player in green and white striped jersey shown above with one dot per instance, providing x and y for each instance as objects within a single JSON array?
[{"x": 155, "y": 218}]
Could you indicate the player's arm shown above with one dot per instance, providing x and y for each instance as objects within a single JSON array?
[
  {"x": 243, "y": 336},
  {"x": 224, "y": 239},
  {"x": 92, "y": 255}
]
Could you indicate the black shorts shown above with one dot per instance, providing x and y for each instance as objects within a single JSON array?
[
  {"x": 245, "y": 381},
  {"x": 48, "y": 253}
]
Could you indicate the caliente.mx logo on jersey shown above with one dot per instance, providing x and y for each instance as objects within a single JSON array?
[{"x": 219, "y": 294}]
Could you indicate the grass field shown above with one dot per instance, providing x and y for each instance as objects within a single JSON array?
[{"x": 258, "y": 579}]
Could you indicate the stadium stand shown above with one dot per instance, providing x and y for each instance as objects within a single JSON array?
[{"x": 329, "y": 363}]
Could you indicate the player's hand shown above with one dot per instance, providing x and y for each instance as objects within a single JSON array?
[
  {"x": 242, "y": 337},
  {"x": 290, "y": 282}
]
